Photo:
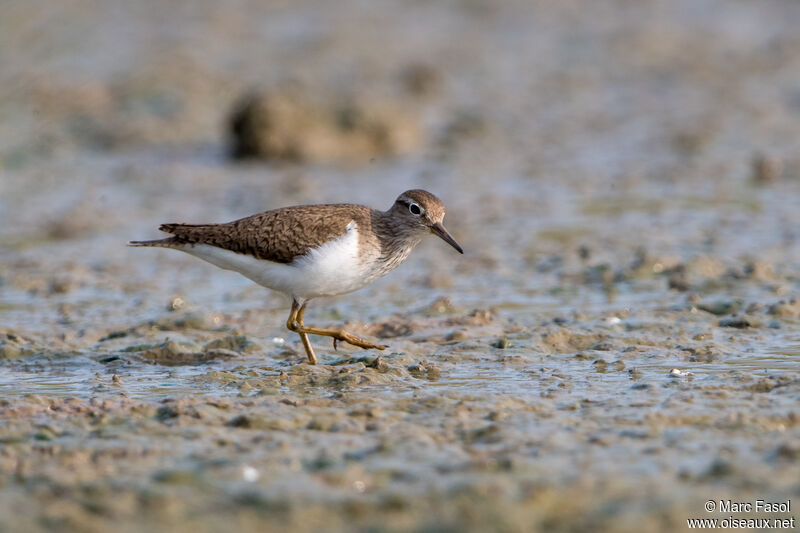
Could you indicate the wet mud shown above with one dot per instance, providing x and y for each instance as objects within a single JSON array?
[{"x": 619, "y": 344}]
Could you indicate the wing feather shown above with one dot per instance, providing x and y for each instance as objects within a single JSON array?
[{"x": 280, "y": 235}]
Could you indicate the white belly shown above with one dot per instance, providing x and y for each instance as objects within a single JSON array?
[{"x": 333, "y": 268}]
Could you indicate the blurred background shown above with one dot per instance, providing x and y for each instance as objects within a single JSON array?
[
  {"x": 624, "y": 178},
  {"x": 108, "y": 107}
]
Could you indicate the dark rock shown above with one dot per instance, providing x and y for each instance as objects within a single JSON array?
[
  {"x": 765, "y": 169},
  {"x": 241, "y": 421},
  {"x": 287, "y": 124},
  {"x": 421, "y": 80},
  {"x": 720, "y": 308},
  {"x": 501, "y": 343},
  {"x": 739, "y": 322}
]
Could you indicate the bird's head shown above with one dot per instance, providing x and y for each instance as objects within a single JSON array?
[{"x": 420, "y": 212}]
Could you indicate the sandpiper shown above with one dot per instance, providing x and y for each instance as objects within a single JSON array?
[{"x": 307, "y": 251}]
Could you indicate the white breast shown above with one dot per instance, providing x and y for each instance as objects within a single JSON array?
[{"x": 331, "y": 269}]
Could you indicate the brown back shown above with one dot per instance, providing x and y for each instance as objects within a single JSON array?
[{"x": 279, "y": 235}]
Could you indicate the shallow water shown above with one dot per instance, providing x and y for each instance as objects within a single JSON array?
[{"x": 602, "y": 181}]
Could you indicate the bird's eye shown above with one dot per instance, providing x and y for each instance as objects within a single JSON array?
[{"x": 415, "y": 209}]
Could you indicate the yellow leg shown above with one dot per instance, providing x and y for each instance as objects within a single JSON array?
[
  {"x": 312, "y": 359},
  {"x": 295, "y": 323}
]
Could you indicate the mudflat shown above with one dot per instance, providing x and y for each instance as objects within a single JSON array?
[{"x": 619, "y": 345}]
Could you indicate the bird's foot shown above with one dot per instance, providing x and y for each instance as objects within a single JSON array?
[{"x": 355, "y": 340}]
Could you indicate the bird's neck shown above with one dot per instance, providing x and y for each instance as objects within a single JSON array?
[{"x": 396, "y": 239}]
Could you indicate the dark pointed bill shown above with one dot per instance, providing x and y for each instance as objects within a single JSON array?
[{"x": 439, "y": 230}]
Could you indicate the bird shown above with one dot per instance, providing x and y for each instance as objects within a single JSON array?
[{"x": 313, "y": 251}]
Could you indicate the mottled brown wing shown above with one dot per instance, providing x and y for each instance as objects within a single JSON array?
[{"x": 280, "y": 235}]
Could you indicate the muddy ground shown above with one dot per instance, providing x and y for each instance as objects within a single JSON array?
[{"x": 619, "y": 344}]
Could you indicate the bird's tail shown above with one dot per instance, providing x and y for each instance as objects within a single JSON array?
[
  {"x": 177, "y": 229},
  {"x": 181, "y": 234},
  {"x": 170, "y": 242}
]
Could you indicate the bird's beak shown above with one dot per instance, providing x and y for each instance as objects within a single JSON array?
[{"x": 439, "y": 230}]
